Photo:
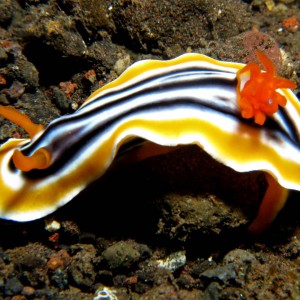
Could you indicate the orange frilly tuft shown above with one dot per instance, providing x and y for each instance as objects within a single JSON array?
[{"x": 256, "y": 89}]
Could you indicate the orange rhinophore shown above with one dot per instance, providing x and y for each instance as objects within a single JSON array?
[
  {"x": 257, "y": 90},
  {"x": 20, "y": 119},
  {"x": 41, "y": 158}
]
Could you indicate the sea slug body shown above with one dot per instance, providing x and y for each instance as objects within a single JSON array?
[{"x": 192, "y": 99}]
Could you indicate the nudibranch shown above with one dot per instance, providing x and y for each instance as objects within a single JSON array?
[{"x": 244, "y": 117}]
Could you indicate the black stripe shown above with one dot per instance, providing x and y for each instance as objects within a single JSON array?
[
  {"x": 290, "y": 124},
  {"x": 74, "y": 150},
  {"x": 159, "y": 86},
  {"x": 207, "y": 76},
  {"x": 138, "y": 91}
]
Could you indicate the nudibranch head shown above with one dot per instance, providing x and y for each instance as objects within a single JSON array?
[{"x": 257, "y": 90}]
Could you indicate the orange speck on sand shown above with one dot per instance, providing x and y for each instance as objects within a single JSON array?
[
  {"x": 68, "y": 88},
  {"x": 55, "y": 263},
  {"x": 58, "y": 260},
  {"x": 291, "y": 24},
  {"x": 54, "y": 239},
  {"x": 2, "y": 79},
  {"x": 90, "y": 75}
]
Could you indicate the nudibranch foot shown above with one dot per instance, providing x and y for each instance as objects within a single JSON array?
[{"x": 273, "y": 201}]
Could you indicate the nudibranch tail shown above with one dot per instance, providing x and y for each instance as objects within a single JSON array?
[
  {"x": 257, "y": 91},
  {"x": 20, "y": 119}
]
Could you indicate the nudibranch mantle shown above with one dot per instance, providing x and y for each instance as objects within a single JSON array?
[{"x": 192, "y": 99}]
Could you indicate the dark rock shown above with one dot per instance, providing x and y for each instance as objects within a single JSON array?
[
  {"x": 92, "y": 15},
  {"x": 38, "y": 107},
  {"x": 210, "y": 197},
  {"x": 6, "y": 11},
  {"x": 59, "y": 278},
  {"x": 29, "y": 257},
  {"x": 27, "y": 72},
  {"x": 48, "y": 293},
  {"x": 121, "y": 255},
  {"x": 292, "y": 250},
  {"x": 17, "y": 67},
  {"x": 58, "y": 30},
  {"x": 105, "y": 52},
  {"x": 60, "y": 99},
  {"x": 212, "y": 291},
  {"x": 201, "y": 20},
  {"x": 15, "y": 91},
  {"x": 186, "y": 281},
  {"x": 13, "y": 286},
  {"x": 82, "y": 268},
  {"x": 169, "y": 292},
  {"x": 2, "y": 285},
  {"x": 4, "y": 257},
  {"x": 151, "y": 274},
  {"x": 201, "y": 266},
  {"x": 3, "y": 55},
  {"x": 239, "y": 257},
  {"x": 233, "y": 293},
  {"x": 144, "y": 251},
  {"x": 185, "y": 215},
  {"x": 119, "y": 280},
  {"x": 222, "y": 274}
]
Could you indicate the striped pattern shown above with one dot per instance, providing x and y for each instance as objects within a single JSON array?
[{"x": 188, "y": 100}]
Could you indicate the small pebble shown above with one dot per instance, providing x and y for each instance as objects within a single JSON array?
[
  {"x": 173, "y": 261},
  {"x": 28, "y": 290}
]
